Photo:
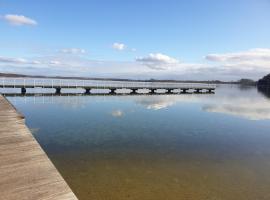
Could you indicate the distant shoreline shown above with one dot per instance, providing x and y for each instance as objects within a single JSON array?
[{"x": 10, "y": 75}]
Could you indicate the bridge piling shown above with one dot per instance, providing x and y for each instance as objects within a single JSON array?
[
  {"x": 169, "y": 91},
  {"x": 23, "y": 90},
  {"x": 87, "y": 91},
  {"x": 58, "y": 90},
  {"x": 152, "y": 91},
  {"x": 113, "y": 91},
  {"x": 184, "y": 90},
  {"x": 133, "y": 91}
]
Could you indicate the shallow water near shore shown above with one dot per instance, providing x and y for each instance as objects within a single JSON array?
[{"x": 187, "y": 146}]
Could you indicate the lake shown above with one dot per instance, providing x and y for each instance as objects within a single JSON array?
[{"x": 157, "y": 147}]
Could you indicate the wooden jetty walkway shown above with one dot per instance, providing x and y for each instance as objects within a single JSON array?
[
  {"x": 26, "y": 173},
  {"x": 89, "y": 85}
]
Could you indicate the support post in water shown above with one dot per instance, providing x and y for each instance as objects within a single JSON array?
[
  {"x": 169, "y": 91},
  {"x": 152, "y": 91},
  {"x": 113, "y": 91},
  {"x": 23, "y": 90},
  {"x": 198, "y": 90},
  {"x": 58, "y": 90},
  {"x": 87, "y": 91},
  {"x": 184, "y": 90},
  {"x": 133, "y": 91}
]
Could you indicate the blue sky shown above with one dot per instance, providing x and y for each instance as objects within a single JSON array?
[{"x": 188, "y": 39}]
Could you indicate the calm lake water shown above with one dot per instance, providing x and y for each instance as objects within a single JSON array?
[{"x": 163, "y": 147}]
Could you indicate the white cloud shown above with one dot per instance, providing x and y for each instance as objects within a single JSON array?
[
  {"x": 73, "y": 51},
  {"x": 55, "y": 62},
  {"x": 19, "y": 20},
  {"x": 122, "y": 47},
  {"x": 258, "y": 54},
  {"x": 158, "y": 61},
  {"x": 249, "y": 64},
  {"x": 36, "y": 62},
  {"x": 18, "y": 61},
  {"x": 165, "y": 67},
  {"x": 118, "y": 46},
  {"x": 12, "y": 60}
]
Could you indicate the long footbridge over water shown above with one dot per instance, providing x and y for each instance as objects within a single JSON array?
[{"x": 89, "y": 85}]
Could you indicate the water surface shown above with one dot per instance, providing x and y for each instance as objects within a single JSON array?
[{"x": 164, "y": 147}]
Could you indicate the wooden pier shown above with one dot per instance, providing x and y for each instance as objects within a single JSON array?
[{"x": 26, "y": 173}]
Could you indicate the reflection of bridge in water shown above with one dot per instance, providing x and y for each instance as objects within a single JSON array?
[{"x": 89, "y": 85}]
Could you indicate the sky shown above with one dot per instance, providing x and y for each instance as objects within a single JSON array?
[{"x": 138, "y": 39}]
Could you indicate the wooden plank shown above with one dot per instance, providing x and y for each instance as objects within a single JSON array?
[{"x": 26, "y": 173}]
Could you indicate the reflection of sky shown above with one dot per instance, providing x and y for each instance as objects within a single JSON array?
[
  {"x": 163, "y": 142},
  {"x": 117, "y": 113},
  {"x": 243, "y": 108},
  {"x": 230, "y": 100}
]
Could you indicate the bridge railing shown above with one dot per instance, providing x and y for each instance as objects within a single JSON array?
[{"x": 28, "y": 82}]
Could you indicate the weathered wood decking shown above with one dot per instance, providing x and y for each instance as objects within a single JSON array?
[{"x": 26, "y": 173}]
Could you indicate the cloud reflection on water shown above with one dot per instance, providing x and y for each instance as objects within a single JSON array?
[
  {"x": 230, "y": 100},
  {"x": 248, "y": 104},
  {"x": 247, "y": 110},
  {"x": 117, "y": 113}
]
